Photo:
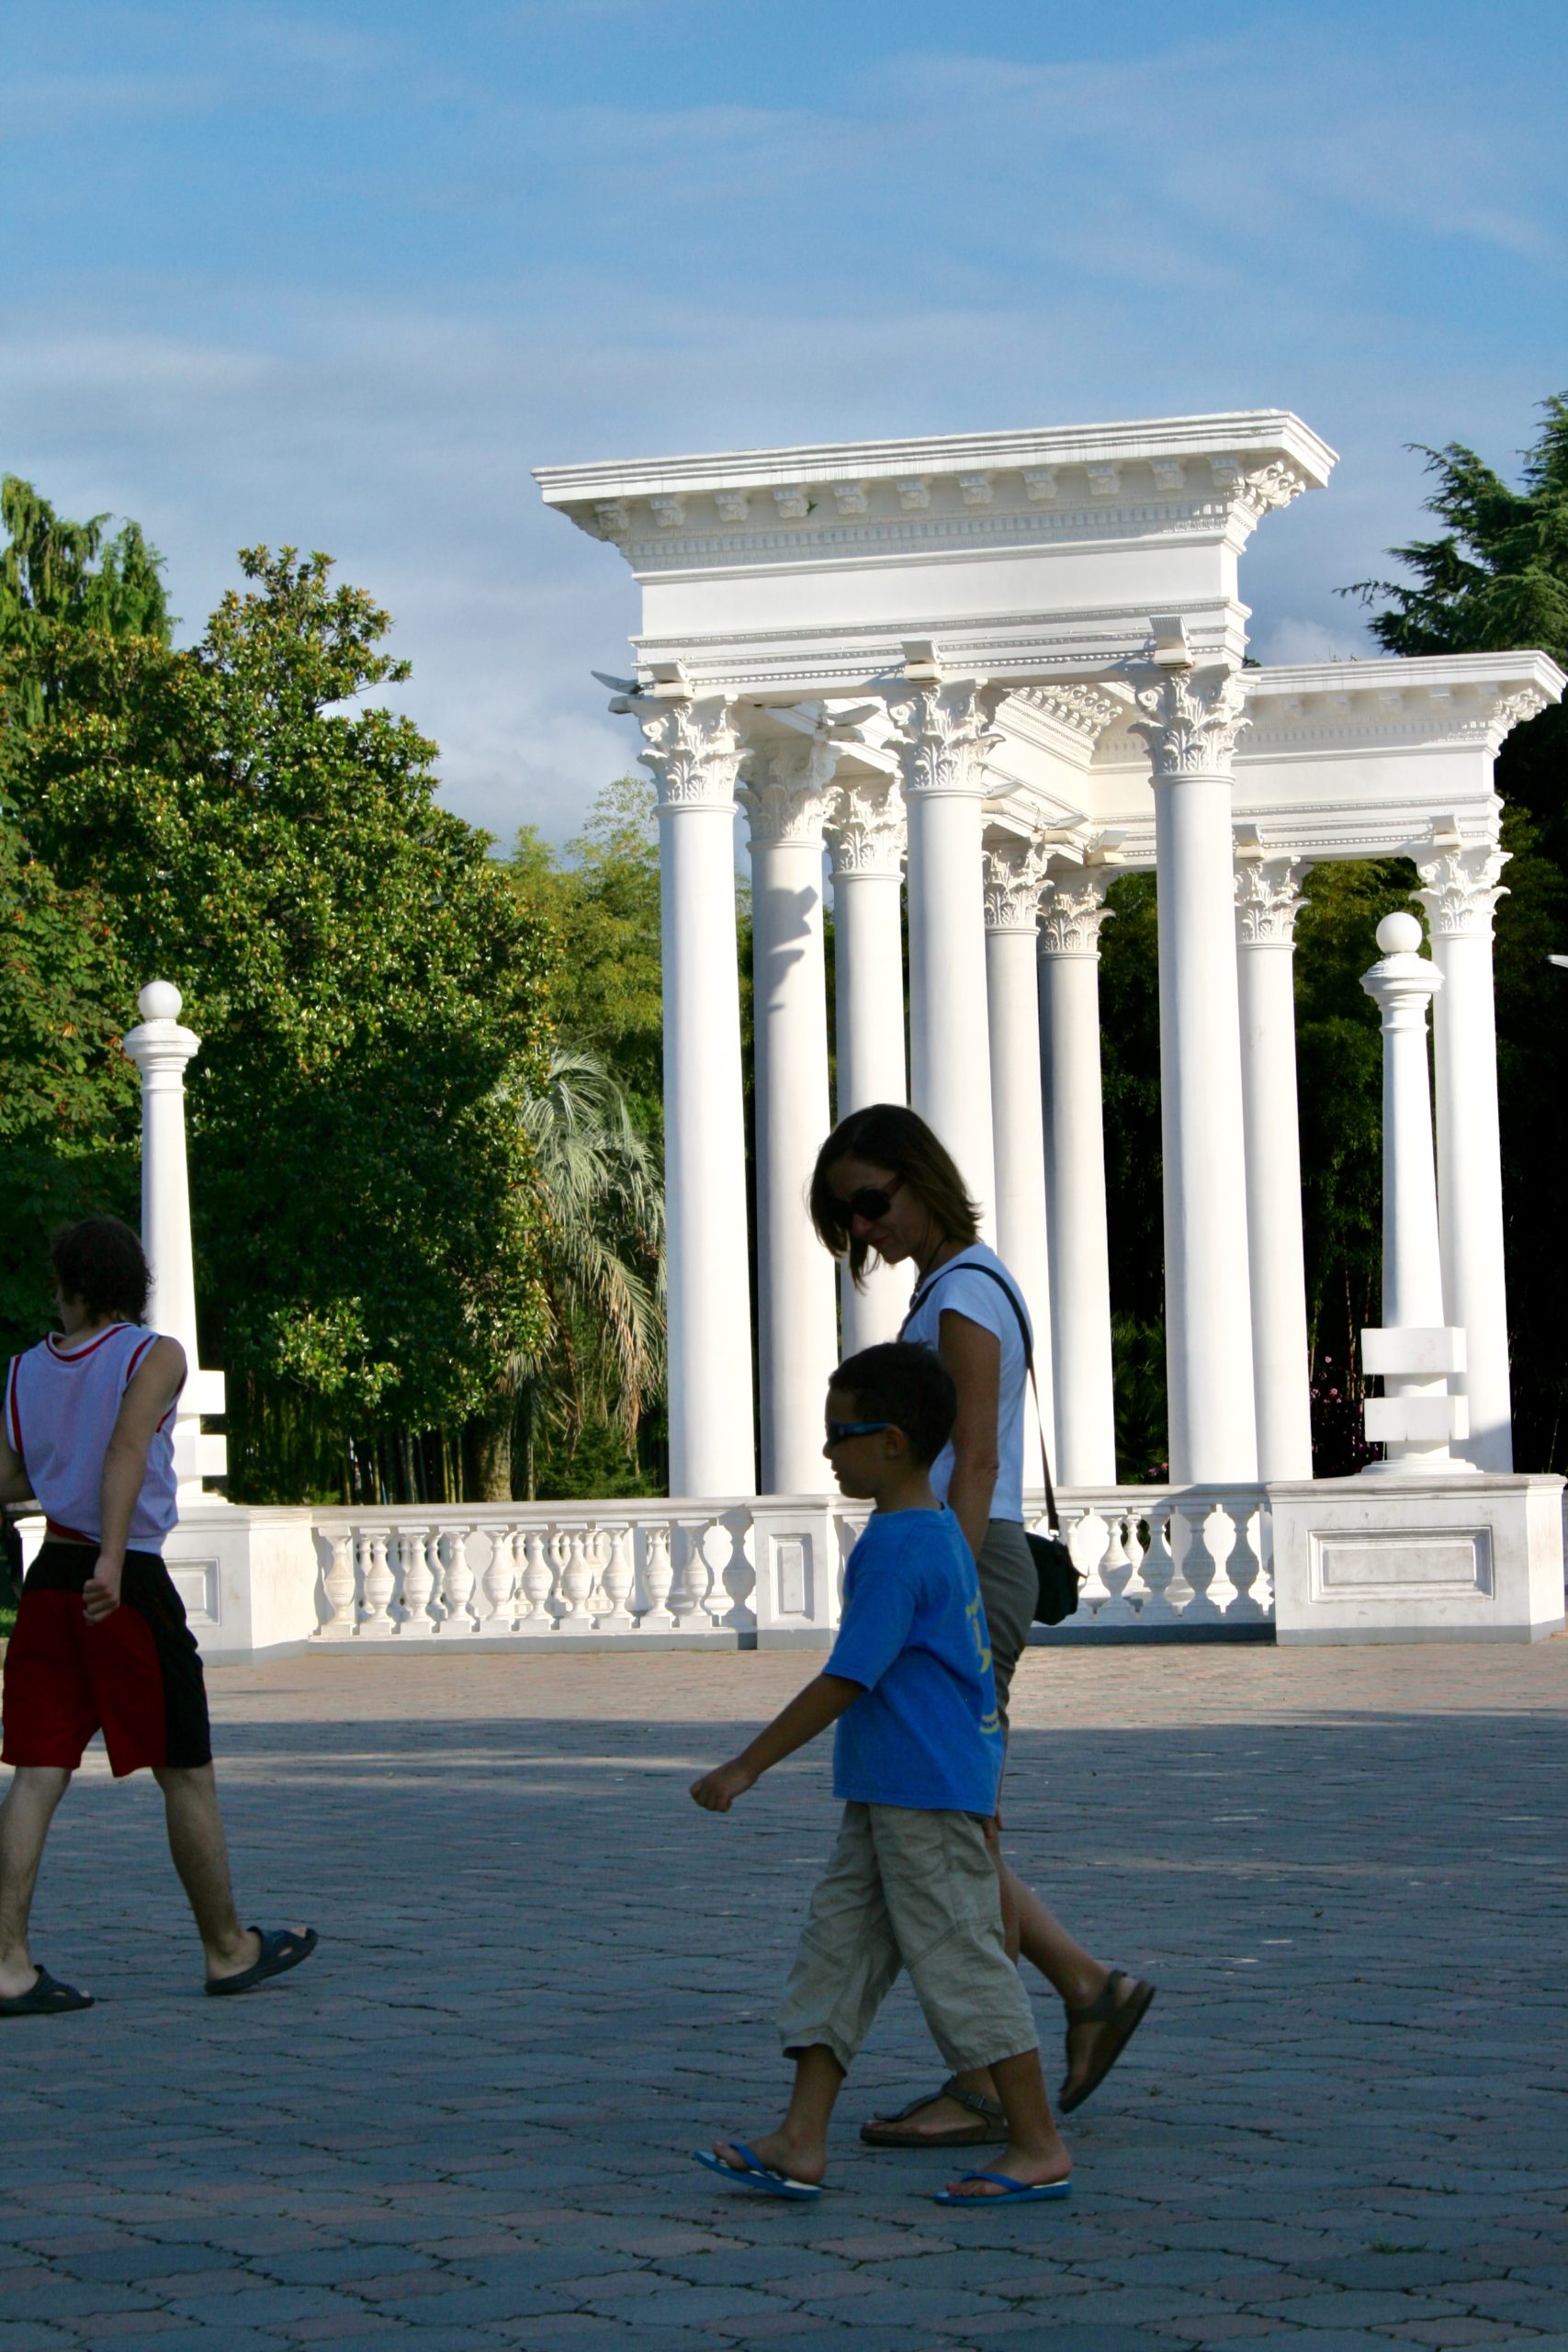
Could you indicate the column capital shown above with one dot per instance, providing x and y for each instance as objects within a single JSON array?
[
  {"x": 1014, "y": 870},
  {"x": 866, "y": 830},
  {"x": 1267, "y": 900},
  {"x": 1460, "y": 884},
  {"x": 788, "y": 790},
  {"x": 1191, "y": 721},
  {"x": 693, "y": 752},
  {"x": 945, "y": 734},
  {"x": 1072, "y": 908}
]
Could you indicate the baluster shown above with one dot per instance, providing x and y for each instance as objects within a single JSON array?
[
  {"x": 1219, "y": 1542},
  {"x": 719, "y": 1601},
  {"x": 742, "y": 1578},
  {"x": 576, "y": 1578},
  {"x": 658, "y": 1575},
  {"x": 457, "y": 1581},
  {"x": 1134, "y": 1593},
  {"x": 416, "y": 1583},
  {"x": 1117, "y": 1568},
  {"x": 616, "y": 1579},
  {"x": 378, "y": 1584},
  {"x": 1188, "y": 1556},
  {"x": 338, "y": 1589},
  {"x": 1087, "y": 1543},
  {"x": 1254, "y": 1603},
  {"x": 497, "y": 1579},
  {"x": 537, "y": 1582},
  {"x": 691, "y": 1578},
  {"x": 1159, "y": 1568}
]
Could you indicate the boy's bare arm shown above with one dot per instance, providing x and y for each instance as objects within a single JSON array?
[
  {"x": 809, "y": 1712},
  {"x": 16, "y": 1486},
  {"x": 156, "y": 1383}
]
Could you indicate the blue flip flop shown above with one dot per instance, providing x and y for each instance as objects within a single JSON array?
[
  {"x": 1014, "y": 2193},
  {"x": 759, "y": 2176}
]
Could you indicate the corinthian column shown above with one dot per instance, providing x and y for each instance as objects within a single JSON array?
[
  {"x": 1462, "y": 889},
  {"x": 786, "y": 798},
  {"x": 1266, "y": 907},
  {"x": 1014, "y": 871},
  {"x": 1072, "y": 909},
  {"x": 1190, "y": 720},
  {"x": 944, "y": 735},
  {"x": 865, "y": 837},
  {"x": 694, "y": 755}
]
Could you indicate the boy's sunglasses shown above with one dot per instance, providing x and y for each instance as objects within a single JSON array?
[
  {"x": 871, "y": 1202},
  {"x": 838, "y": 1430}
]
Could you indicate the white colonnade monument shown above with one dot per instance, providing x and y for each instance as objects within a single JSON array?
[{"x": 1004, "y": 668}]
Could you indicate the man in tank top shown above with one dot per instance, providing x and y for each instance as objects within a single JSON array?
[{"x": 101, "y": 1642}]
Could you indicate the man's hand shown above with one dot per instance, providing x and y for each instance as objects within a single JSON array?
[
  {"x": 100, "y": 1594},
  {"x": 718, "y": 1790}
]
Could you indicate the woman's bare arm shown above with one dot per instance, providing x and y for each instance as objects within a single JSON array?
[{"x": 974, "y": 1356}]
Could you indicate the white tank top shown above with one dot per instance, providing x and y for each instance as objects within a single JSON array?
[{"x": 62, "y": 1401}]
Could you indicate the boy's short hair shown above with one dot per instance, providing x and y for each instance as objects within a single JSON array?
[
  {"x": 100, "y": 1261},
  {"x": 907, "y": 1386}
]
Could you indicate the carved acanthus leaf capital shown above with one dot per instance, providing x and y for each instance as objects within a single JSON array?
[
  {"x": 1014, "y": 871},
  {"x": 1191, "y": 721},
  {"x": 1267, "y": 899},
  {"x": 1258, "y": 493},
  {"x": 693, "y": 751},
  {"x": 865, "y": 828},
  {"x": 1461, "y": 886},
  {"x": 788, "y": 788},
  {"x": 1072, "y": 908},
  {"x": 945, "y": 734}
]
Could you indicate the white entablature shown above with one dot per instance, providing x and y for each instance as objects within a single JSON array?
[
  {"x": 1339, "y": 759},
  {"x": 783, "y": 574}
]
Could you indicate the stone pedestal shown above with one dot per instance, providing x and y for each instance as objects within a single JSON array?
[
  {"x": 796, "y": 1558},
  {"x": 1417, "y": 1559},
  {"x": 247, "y": 1573}
]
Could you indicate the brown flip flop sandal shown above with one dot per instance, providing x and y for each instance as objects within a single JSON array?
[
  {"x": 990, "y": 2124},
  {"x": 1121, "y": 2017}
]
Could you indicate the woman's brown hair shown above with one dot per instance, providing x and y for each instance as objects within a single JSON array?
[{"x": 887, "y": 1135}]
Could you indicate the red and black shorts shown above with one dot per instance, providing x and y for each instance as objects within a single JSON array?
[{"x": 136, "y": 1674}]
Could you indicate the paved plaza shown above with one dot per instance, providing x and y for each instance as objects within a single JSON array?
[{"x": 546, "y": 1977}]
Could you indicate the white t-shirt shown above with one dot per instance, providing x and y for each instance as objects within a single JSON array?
[{"x": 955, "y": 1289}]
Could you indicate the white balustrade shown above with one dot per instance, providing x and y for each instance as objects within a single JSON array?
[{"x": 1150, "y": 1556}]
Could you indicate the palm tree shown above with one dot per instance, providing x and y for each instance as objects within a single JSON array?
[{"x": 603, "y": 1271}]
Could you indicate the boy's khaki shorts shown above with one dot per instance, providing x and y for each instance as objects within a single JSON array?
[{"x": 907, "y": 1889}]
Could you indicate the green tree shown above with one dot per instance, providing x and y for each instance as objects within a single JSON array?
[
  {"x": 55, "y": 574},
  {"x": 1496, "y": 578},
  {"x": 371, "y": 994}
]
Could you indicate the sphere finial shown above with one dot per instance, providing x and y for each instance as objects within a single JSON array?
[
  {"x": 1399, "y": 934},
  {"x": 160, "y": 1000}
]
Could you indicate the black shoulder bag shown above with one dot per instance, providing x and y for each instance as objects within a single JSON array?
[{"x": 1058, "y": 1579}]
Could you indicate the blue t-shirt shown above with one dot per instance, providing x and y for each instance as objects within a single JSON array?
[{"x": 925, "y": 1731}]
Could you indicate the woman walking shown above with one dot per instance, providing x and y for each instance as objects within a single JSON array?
[{"x": 884, "y": 1185}]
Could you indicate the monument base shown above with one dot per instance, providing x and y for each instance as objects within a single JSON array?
[{"x": 1417, "y": 1559}]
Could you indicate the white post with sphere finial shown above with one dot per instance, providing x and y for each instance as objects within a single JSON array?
[{"x": 161, "y": 1048}]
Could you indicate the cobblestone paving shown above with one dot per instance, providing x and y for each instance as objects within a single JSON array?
[{"x": 546, "y": 1977}]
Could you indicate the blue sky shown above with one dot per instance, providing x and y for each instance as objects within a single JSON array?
[{"x": 340, "y": 274}]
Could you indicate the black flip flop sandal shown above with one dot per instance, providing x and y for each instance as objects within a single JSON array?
[
  {"x": 1121, "y": 2018},
  {"x": 991, "y": 2125},
  {"x": 281, "y": 1950},
  {"x": 45, "y": 1997}
]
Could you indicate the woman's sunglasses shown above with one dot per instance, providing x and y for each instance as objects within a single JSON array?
[{"x": 871, "y": 1202}]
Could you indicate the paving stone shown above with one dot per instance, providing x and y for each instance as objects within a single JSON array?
[{"x": 467, "y": 2124}]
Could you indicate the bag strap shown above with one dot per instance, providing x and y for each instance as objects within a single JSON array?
[{"x": 924, "y": 1292}]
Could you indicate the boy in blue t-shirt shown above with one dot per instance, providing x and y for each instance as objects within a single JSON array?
[{"x": 917, "y": 1759}]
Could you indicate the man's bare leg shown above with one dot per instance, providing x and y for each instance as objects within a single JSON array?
[
  {"x": 1035, "y": 2151},
  {"x": 799, "y": 2147},
  {"x": 30, "y": 1807},
  {"x": 200, "y": 1854}
]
